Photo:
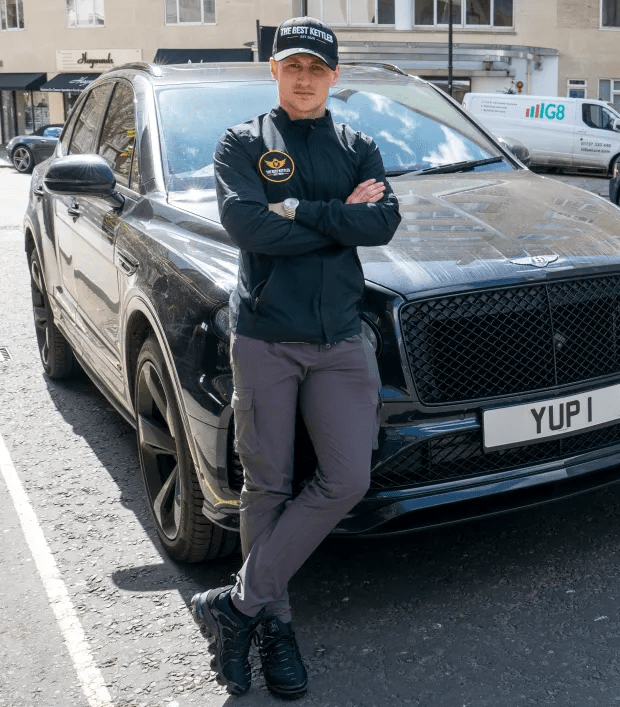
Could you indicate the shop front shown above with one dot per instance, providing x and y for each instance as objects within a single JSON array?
[
  {"x": 70, "y": 86},
  {"x": 23, "y": 108}
]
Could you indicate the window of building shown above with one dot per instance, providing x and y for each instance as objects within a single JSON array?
[
  {"x": 577, "y": 88},
  {"x": 11, "y": 14},
  {"x": 610, "y": 13},
  {"x": 118, "y": 136},
  {"x": 84, "y": 13},
  {"x": 465, "y": 13},
  {"x": 609, "y": 90},
  {"x": 353, "y": 12},
  {"x": 190, "y": 12}
]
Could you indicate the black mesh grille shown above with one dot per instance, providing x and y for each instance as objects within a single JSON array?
[
  {"x": 514, "y": 340},
  {"x": 460, "y": 456}
]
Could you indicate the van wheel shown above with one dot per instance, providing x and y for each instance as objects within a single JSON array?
[
  {"x": 614, "y": 167},
  {"x": 170, "y": 480}
]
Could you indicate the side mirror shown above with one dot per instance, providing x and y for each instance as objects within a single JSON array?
[
  {"x": 616, "y": 125},
  {"x": 83, "y": 175},
  {"x": 516, "y": 148}
]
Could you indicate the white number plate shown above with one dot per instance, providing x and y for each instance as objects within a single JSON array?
[{"x": 506, "y": 427}]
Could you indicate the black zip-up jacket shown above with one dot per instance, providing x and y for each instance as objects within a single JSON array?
[{"x": 299, "y": 280}]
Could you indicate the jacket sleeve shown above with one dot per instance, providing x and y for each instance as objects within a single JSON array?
[
  {"x": 244, "y": 211},
  {"x": 356, "y": 224}
]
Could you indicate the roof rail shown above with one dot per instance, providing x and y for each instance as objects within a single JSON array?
[
  {"x": 382, "y": 64},
  {"x": 152, "y": 69}
]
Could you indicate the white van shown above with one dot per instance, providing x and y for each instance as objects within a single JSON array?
[{"x": 559, "y": 132}]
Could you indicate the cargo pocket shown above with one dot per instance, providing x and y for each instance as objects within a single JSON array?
[{"x": 245, "y": 429}]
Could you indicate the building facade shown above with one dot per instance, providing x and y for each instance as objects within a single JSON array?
[{"x": 49, "y": 51}]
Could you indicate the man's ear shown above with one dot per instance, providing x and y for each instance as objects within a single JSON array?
[
  {"x": 273, "y": 67},
  {"x": 335, "y": 75}
]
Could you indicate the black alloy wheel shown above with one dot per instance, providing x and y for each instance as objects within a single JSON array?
[
  {"x": 56, "y": 354},
  {"x": 23, "y": 159},
  {"x": 172, "y": 486}
]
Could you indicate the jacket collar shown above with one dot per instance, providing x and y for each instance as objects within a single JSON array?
[{"x": 281, "y": 117}]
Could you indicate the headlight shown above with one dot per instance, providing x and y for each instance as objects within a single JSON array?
[
  {"x": 221, "y": 322},
  {"x": 371, "y": 334}
]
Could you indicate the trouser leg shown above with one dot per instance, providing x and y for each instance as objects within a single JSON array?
[
  {"x": 265, "y": 404},
  {"x": 339, "y": 399}
]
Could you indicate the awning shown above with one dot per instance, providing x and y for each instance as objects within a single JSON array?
[
  {"x": 21, "y": 82},
  {"x": 199, "y": 56},
  {"x": 69, "y": 83}
]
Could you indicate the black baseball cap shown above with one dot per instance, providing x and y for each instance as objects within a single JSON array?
[{"x": 306, "y": 35}]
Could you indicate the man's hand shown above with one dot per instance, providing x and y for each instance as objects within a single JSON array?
[
  {"x": 367, "y": 192},
  {"x": 278, "y": 208}
]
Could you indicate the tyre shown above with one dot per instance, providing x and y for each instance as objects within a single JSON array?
[
  {"x": 23, "y": 159},
  {"x": 56, "y": 354},
  {"x": 170, "y": 480}
]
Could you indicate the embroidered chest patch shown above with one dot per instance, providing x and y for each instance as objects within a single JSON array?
[{"x": 276, "y": 166}]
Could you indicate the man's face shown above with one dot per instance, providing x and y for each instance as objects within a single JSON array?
[{"x": 303, "y": 85}]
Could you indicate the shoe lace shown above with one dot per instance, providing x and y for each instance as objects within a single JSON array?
[{"x": 280, "y": 650}]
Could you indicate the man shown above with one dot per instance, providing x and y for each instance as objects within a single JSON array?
[{"x": 297, "y": 193}]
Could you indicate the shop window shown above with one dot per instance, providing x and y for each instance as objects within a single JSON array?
[
  {"x": 118, "y": 136},
  {"x": 353, "y": 12},
  {"x": 609, "y": 90},
  {"x": 11, "y": 14},
  {"x": 577, "y": 88},
  {"x": 468, "y": 13},
  {"x": 195, "y": 12},
  {"x": 85, "y": 13},
  {"x": 610, "y": 13}
]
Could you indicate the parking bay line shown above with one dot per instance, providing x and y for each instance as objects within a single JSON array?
[{"x": 88, "y": 674}]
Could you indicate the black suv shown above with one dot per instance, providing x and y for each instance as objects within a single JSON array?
[{"x": 494, "y": 312}]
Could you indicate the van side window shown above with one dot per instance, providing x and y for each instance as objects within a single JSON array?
[{"x": 597, "y": 117}]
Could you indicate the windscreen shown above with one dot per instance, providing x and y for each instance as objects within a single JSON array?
[{"x": 414, "y": 126}]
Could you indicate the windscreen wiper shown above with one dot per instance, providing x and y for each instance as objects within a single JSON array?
[{"x": 446, "y": 168}]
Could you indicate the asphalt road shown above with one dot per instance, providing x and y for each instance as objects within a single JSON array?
[{"x": 518, "y": 610}]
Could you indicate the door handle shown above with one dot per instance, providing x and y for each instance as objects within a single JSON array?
[{"x": 74, "y": 211}]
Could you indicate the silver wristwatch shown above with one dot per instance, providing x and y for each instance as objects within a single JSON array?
[{"x": 290, "y": 207}]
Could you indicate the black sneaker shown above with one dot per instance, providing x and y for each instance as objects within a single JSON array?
[
  {"x": 232, "y": 633},
  {"x": 285, "y": 674}
]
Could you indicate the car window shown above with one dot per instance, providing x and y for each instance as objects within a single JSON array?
[
  {"x": 85, "y": 131},
  {"x": 414, "y": 126},
  {"x": 118, "y": 136},
  {"x": 52, "y": 132},
  {"x": 598, "y": 117},
  {"x": 68, "y": 129}
]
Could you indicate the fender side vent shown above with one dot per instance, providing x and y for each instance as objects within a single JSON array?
[{"x": 5, "y": 354}]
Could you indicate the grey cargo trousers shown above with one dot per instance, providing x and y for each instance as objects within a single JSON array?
[{"x": 337, "y": 389}]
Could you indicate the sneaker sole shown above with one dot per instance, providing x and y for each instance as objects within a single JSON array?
[
  {"x": 291, "y": 694},
  {"x": 210, "y": 629}
]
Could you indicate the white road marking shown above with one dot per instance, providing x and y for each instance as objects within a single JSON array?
[{"x": 88, "y": 674}]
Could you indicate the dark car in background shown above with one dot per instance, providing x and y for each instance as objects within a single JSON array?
[
  {"x": 25, "y": 151},
  {"x": 494, "y": 312}
]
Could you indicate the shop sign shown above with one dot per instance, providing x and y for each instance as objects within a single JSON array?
[{"x": 94, "y": 59}]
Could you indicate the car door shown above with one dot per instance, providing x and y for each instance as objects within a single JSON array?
[
  {"x": 595, "y": 138},
  {"x": 79, "y": 138},
  {"x": 94, "y": 241}
]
